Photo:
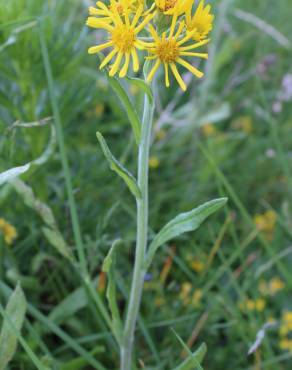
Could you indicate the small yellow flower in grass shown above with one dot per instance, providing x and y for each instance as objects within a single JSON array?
[
  {"x": 266, "y": 223},
  {"x": 154, "y": 162},
  {"x": 196, "y": 297},
  {"x": 122, "y": 39},
  {"x": 258, "y": 304},
  {"x": 209, "y": 130},
  {"x": 201, "y": 22},
  {"x": 286, "y": 344},
  {"x": 244, "y": 123},
  {"x": 171, "y": 50},
  {"x": 197, "y": 265},
  {"x": 185, "y": 291},
  {"x": 9, "y": 232}
]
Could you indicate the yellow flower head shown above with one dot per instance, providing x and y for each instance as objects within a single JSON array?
[
  {"x": 266, "y": 223},
  {"x": 120, "y": 6},
  {"x": 9, "y": 232},
  {"x": 171, "y": 7},
  {"x": 201, "y": 22},
  {"x": 122, "y": 39},
  {"x": 170, "y": 50}
]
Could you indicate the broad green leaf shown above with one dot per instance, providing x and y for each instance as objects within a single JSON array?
[
  {"x": 13, "y": 173},
  {"x": 109, "y": 267},
  {"x": 183, "y": 223},
  {"x": 116, "y": 166},
  {"x": 15, "y": 310},
  {"x": 56, "y": 239}
]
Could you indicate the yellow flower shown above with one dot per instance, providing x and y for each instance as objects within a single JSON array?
[
  {"x": 286, "y": 344},
  {"x": 153, "y": 162},
  {"x": 170, "y": 50},
  {"x": 275, "y": 285},
  {"x": 197, "y": 265},
  {"x": 185, "y": 291},
  {"x": 9, "y": 232},
  {"x": 209, "y": 129},
  {"x": 120, "y": 6},
  {"x": 258, "y": 304},
  {"x": 244, "y": 123},
  {"x": 122, "y": 39},
  {"x": 173, "y": 7},
  {"x": 196, "y": 298},
  {"x": 266, "y": 223},
  {"x": 200, "y": 22}
]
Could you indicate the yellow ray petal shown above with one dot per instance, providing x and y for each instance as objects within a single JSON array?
[
  {"x": 94, "y": 11},
  {"x": 96, "y": 23},
  {"x": 96, "y": 49},
  {"x": 144, "y": 22},
  {"x": 178, "y": 77},
  {"x": 108, "y": 58},
  {"x": 191, "y": 68},
  {"x": 191, "y": 54},
  {"x": 194, "y": 46},
  {"x": 135, "y": 60},
  {"x": 125, "y": 68},
  {"x": 153, "y": 70},
  {"x": 137, "y": 16},
  {"x": 166, "y": 74},
  {"x": 115, "y": 66}
]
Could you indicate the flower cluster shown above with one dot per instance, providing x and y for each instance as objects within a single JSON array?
[{"x": 169, "y": 31}]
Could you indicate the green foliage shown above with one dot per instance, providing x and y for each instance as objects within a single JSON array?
[
  {"x": 244, "y": 155},
  {"x": 15, "y": 310},
  {"x": 183, "y": 223}
]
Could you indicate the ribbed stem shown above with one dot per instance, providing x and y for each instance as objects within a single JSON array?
[{"x": 141, "y": 244}]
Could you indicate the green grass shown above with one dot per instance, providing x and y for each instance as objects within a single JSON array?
[{"x": 45, "y": 72}]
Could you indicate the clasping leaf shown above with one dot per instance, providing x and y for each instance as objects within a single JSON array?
[
  {"x": 183, "y": 223},
  {"x": 116, "y": 166}
]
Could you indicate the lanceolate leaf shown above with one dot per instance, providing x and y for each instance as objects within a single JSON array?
[
  {"x": 12, "y": 173},
  {"x": 193, "y": 361},
  {"x": 109, "y": 268},
  {"x": 116, "y": 166},
  {"x": 15, "y": 310},
  {"x": 183, "y": 223},
  {"x": 129, "y": 108}
]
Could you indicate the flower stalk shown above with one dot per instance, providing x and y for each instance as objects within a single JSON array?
[{"x": 141, "y": 241}]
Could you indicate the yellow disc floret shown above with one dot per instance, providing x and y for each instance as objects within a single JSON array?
[{"x": 123, "y": 38}]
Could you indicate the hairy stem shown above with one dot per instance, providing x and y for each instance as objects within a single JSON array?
[{"x": 141, "y": 244}]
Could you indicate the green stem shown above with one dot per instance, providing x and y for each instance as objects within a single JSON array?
[
  {"x": 63, "y": 153},
  {"x": 142, "y": 232}
]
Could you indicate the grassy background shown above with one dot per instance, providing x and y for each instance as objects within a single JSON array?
[{"x": 224, "y": 137}]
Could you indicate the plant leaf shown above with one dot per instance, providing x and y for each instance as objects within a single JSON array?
[
  {"x": 143, "y": 86},
  {"x": 15, "y": 310},
  {"x": 116, "y": 166},
  {"x": 129, "y": 108},
  {"x": 56, "y": 239},
  {"x": 109, "y": 267},
  {"x": 193, "y": 361},
  {"x": 12, "y": 173},
  {"x": 182, "y": 223}
]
